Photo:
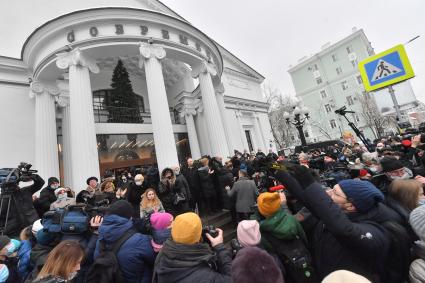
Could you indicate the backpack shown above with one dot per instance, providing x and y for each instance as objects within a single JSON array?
[
  {"x": 106, "y": 268},
  {"x": 74, "y": 220},
  {"x": 295, "y": 258}
]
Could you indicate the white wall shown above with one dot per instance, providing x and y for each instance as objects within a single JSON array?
[{"x": 17, "y": 126}]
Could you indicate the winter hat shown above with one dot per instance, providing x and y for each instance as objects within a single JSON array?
[
  {"x": 91, "y": 178},
  {"x": 363, "y": 172},
  {"x": 161, "y": 220},
  {"x": 406, "y": 143},
  {"x": 58, "y": 190},
  {"x": 363, "y": 194},
  {"x": 52, "y": 180},
  {"x": 243, "y": 168},
  {"x": 121, "y": 208},
  {"x": 344, "y": 276},
  {"x": 36, "y": 226},
  {"x": 186, "y": 228},
  {"x": 251, "y": 264},
  {"x": 268, "y": 204},
  {"x": 4, "y": 240},
  {"x": 389, "y": 163},
  {"x": 249, "y": 233},
  {"x": 417, "y": 221}
]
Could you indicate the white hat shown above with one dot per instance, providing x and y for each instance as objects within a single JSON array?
[
  {"x": 344, "y": 276},
  {"x": 36, "y": 226},
  {"x": 58, "y": 190}
]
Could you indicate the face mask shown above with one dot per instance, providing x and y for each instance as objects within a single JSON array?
[
  {"x": 54, "y": 186},
  {"x": 4, "y": 273},
  {"x": 12, "y": 247},
  {"x": 72, "y": 275},
  {"x": 138, "y": 183},
  {"x": 421, "y": 202},
  {"x": 62, "y": 196},
  {"x": 124, "y": 180},
  {"x": 407, "y": 175}
]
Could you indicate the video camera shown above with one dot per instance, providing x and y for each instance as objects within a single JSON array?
[
  {"x": 10, "y": 177},
  {"x": 266, "y": 170}
]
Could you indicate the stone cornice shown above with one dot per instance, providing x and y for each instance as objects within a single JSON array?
[{"x": 236, "y": 73}]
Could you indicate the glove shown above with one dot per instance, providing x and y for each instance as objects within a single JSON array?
[{"x": 303, "y": 175}]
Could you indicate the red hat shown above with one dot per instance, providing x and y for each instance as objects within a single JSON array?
[
  {"x": 406, "y": 143},
  {"x": 363, "y": 172}
]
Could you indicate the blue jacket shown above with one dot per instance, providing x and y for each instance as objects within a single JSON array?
[
  {"x": 24, "y": 265},
  {"x": 136, "y": 256}
]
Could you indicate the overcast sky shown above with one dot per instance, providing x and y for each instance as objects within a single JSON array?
[{"x": 268, "y": 35}]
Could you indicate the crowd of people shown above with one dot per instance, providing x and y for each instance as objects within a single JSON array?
[{"x": 336, "y": 214}]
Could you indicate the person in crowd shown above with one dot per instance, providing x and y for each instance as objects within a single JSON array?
[
  {"x": 135, "y": 191},
  {"x": 404, "y": 196},
  {"x": 182, "y": 183},
  {"x": 209, "y": 196},
  {"x": 394, "y": 169},
  {"x": 28, "y": 241},
  {"x": 303, "y": 159},
  {"x": 123, "y": 182},
  {"x": 417, "y": 267},
  {"x": 260, "y": 153},
  {"x": 271, "y": 156},
  {"x": 253, "y": 265},
  {"x": 88, "y": 195},
  {"x": 62, "y": 199},
  {"x": 225, "y": 179},
  {"x": 47, "y": 196},
  {"x": 184, "y": 258},
  {"x": 135, "y": 256},
  {"x": 62, "y": 264},
  {"x": 246, "y": 193},
  {"x": 150, "y": 204},
  {"x": 171, "y": 193},
  {"x": 248, "y": 233},
  {"x": 161, "y": 229},
  {"x": 107, "y": 191},
  {"x": 8, "y": 260},
  {"x": 191, "y": 175},
  {"x": 344, "y": 276},
  {"x": 349, "y": 228},
  {"x": 21, "y": 212}
]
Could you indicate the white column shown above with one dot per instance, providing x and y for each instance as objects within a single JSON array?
[
  {"x": 260, "y": 131},
  {"x": 63, "y": 102},
  {"x": 85, "y": 160},
  {"x": 204, "y": 131},
  {"x": 212, "y": 113},
  {"x": 165, "y": 145},
  {"x": 46, "y": 145},
  {"x": 222, "y": 107},
  {"x": 188, "y": 114},
  {"x": 242, "y": 132}
]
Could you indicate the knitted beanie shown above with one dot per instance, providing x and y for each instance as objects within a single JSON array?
[
  {"x": 268, "y": 203},
  {"x": 121, "y": 208},
  {"x": 389, "y": 163},
  {"x": 344, "y": 276},
  {"x": 252, "y": 265},
  {"x": 186, "y": 228},
  {"x": 248, "y": 232},
  {"x": 363, "y": 194},
  {"x": 161, "y": 220},
  {"x": 52, "y": 180},
  {"x": 417, "y": 221}
]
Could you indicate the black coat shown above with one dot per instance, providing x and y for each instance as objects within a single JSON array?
[
  {"x": 134, "y": 197},
  {"x": 206, "y": 183},
  {"x": 192, "y": 178},
  {"x": 167, "y": 192},
  {"x": 47, "y": 197},
  {"x": 22, "y": 212}
]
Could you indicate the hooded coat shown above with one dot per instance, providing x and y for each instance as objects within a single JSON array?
[
  {"x": 135, "y": 257},
  {"x": 192, "y": 263}
]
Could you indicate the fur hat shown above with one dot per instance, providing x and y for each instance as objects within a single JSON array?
[
  {"x": 186, "y": 228},
  {"x": 268, "y": 203},
  {"x": 389, "y": 163},
  {"x": 344, "y": 276},
  {"x": 52, "y": 180},
  {"x": 252, "y": 265},
  {"x": 363, "y": 194},
  {"x": 249, "y": 233},
  {"x": 91, "y": 178}
]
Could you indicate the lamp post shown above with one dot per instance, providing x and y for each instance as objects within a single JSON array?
[{"x": 297, "y": 117}]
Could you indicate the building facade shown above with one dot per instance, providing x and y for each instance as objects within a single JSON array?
[
  {"x": 329, "y": 80},
  {"x": 193, "y": 96}
]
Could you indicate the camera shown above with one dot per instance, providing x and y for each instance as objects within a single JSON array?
[
  {"x": 210, "y": 229},
  {"x": 10, "y": 177},
  {"x": 236, "y": 247}
]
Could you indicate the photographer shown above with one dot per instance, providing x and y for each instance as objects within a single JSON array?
[
  {"x": 47, "y": 196},
  {"x": 185, "y": 259},
  {"x": 21, "y": 210}
]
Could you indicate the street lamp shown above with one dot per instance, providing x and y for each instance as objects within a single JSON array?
[{"x": 297, "y": 117}]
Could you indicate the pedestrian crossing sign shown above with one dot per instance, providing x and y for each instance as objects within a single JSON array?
[{"x": 386, "y": 68}]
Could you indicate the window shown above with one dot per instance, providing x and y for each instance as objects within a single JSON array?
[
  {"x": 350, "y": 100},
  {"x": 319, "y": 80},
  {"x": 332, "y": 123},
  {"x": 323, "y": 94},
  {"x": 354, "y": 63},
  {"x": 334, "y": 57},
  {"x": 328, "y": 108},
  {"x": 349, "y": 49},
  {"x": 359, "y": 80},
  {"x": 356, "y": 117},
  {"x": 249, "y": 140},
  {"x": 306, "y": 134},
  {"x": 338, "y": 70},
  {"x": 344, "y": 85},
  {"x": 315, "y": 67}
]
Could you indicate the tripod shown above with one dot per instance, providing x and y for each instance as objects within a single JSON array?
[
  {"x": 341, "y": 111},
  {"x": 5, "y": 200}
]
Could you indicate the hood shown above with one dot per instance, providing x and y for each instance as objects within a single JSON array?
[
  {"x": 379, "y": 214},
  {"x": 282, "y": 226},
  {"x": 160, "y": 236},
  {"x": 113, "y": 227}
]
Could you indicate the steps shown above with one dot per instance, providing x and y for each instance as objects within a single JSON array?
[{"x": 222, "y": 220}]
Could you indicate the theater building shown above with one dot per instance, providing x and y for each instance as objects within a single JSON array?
[{"x": 190, "y": 95}]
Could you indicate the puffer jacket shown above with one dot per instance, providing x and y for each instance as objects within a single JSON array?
[
  {"x": 135, "y": 257},
  {"x": 24, "y": 265}
]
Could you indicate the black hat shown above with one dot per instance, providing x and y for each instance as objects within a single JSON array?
[
  {"x": 4, "y": 240},
  {"x": 91, "y": 178},
  {"x": 389, "y": 163},
  {"x": 52, "y": 180},
  {"x": 121, "y": 208}
]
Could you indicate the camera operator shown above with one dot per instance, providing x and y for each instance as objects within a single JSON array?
[
  {"x": 47, "y": 196},
  {"x": 184, "y": 258},
  {"x": 21, "y": 210}
]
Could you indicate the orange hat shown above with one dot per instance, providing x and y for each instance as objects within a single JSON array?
[
  {"x": 186, "y": 228},
  {"x": 268, "y": 204}
]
